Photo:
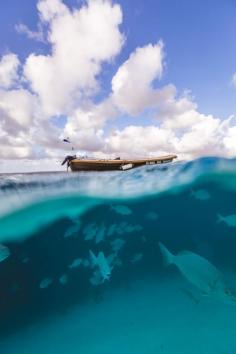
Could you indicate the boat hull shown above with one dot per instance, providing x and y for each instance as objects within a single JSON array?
[{"x": 116, "y": 165}]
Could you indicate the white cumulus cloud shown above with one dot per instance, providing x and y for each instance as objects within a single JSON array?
[
  {"x": 141, "y": 141},
  {"x": 18, "y": 108},
  {"x": 82, "y": 40},
  {"x": 132, "y": 88}
]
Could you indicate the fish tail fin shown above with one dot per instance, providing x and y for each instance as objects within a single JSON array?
[
  {"x": 220, "y": 218},
  {"x": 93, "y": 258},
  {"x": 168, "y": 257}
]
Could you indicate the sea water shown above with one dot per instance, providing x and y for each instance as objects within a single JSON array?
[{"x": 81, "y": 269}]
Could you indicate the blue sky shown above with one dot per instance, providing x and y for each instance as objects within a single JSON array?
[
  {"x": 118, "y": 78},
  {"x": 199, "y": 37}
]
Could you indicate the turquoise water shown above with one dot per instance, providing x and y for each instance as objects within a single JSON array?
[{"x": 82, "y": 271}]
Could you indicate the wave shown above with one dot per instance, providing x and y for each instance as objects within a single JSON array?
[{"x": 34, "y": 201}]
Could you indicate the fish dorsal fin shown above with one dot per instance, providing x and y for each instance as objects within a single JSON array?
[{"x": 185, "y": 253}]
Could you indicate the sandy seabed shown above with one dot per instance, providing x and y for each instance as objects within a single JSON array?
[{"x": 153, "y": 316}]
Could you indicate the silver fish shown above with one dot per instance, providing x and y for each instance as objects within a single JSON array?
[
  {"x": 76, "y": 263},
  {"x": 117, "y": 244},
  {"x": 45, "y": 283},
  {"x": 73, "y": 230},
  {"x": 201, "y": 194},
  {"x": 4, "y": 252},
  {"x": 121, "y": 209},
  {"x": 90, "y": 231},
  {"x": 137, "y": 257},
  {"x": 102, "y": 263},
  {"x": 229, "y": 220},
  {"x": 63, "y": 279},
  {"x": 100, "y": 235}
]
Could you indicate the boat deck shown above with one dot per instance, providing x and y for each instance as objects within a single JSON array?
[{"x": 116, "y": 164}]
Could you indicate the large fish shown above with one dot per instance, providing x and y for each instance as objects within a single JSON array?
[
  {"x": 200, "y": 272},
  {"x": 229, "y": 220}
]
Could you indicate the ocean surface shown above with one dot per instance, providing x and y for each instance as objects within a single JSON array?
[{"x": 135, "y": 262}]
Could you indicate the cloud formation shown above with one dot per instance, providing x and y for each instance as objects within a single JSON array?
[
  {"x": 9, "y": 65},
  {"x": 81, "y": 40},
  {"x": 67, "y": 83},
  {"x": 132, "y": 90},
  {"x": 35, "y": 35}
]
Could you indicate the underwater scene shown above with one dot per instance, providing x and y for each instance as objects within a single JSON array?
[{"x": 135, "y": 262}]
